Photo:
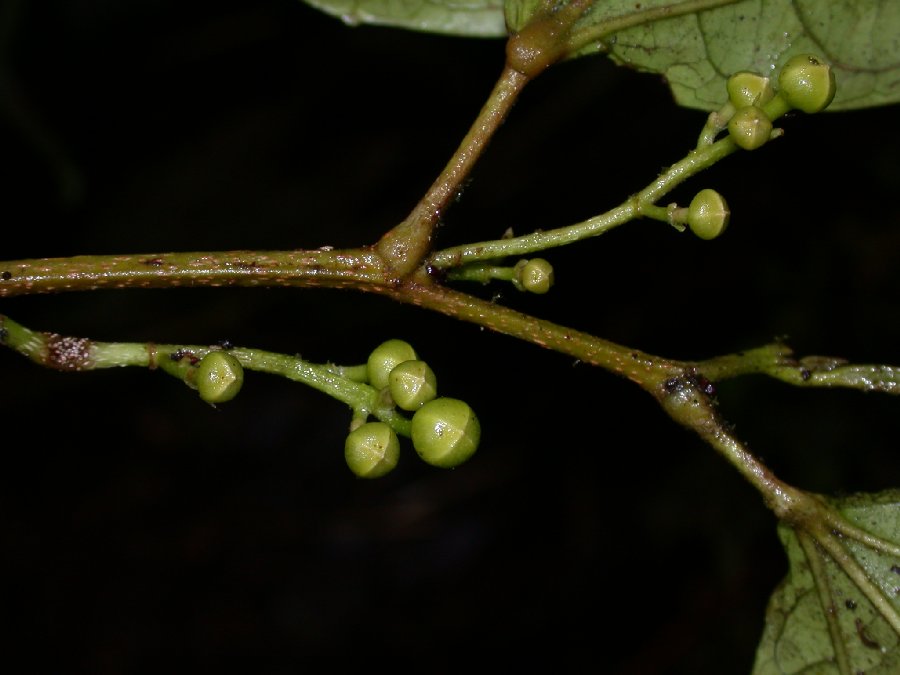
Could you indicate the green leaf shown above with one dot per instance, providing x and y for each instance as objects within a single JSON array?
[
  {"x": 699, "y": 44},
  {"x": 819, "y": 621},
  {"x": 472, "y": 18}
]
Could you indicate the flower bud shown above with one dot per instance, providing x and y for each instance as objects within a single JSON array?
[
  {"x": 708, "y": 214},
  {"x": 372, "y": 450},
  {"x": 807, "y": 83},
  {"x": 534, "y": 276},
  {"x": 750, "y": 127},
  {"x": 445, "y": 432},
  {"x": 746, "y": 88},
  {"x": 412, "y": 384},
  {"x": 219, "y": 377},
  {"x": 384, "y": 358}
]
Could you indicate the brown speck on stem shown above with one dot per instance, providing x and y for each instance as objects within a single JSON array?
[
  {"x": 6, "y": 275},
  {"x": 68, "y": 353},
  {"x": 152, "y": 356},
  {"x": 672, "y": 385}
]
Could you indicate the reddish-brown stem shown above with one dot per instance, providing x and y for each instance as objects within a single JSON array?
[
  {"x": 356, "y": 268},
  {"x": 407, "y": 244},
  {"x": 645, "y": 369}
]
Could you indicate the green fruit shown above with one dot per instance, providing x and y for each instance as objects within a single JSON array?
[
  {"x": 219, "y": 377},
  {"x": 372, "y": 450},
  {"x": 385, "y": 357},
  {"x": 746, "y": 88},
  {"x": 535, "y": 275},
  {"x": 445, "y": 432},
  {"x": 750, "y": 128},
  {"x": 412, "y": 384},
  {"x": 807, "y": 83},
  {"x": 708, "y": 214}
]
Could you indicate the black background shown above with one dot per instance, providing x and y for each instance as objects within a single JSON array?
[{"x": 146, "y": 531}]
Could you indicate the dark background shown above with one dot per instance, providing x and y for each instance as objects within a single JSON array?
[{"x": 145, "y": 531}]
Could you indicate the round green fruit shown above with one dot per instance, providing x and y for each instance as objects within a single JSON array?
[
  {"x": 412, "y": 384},
  {"x": 746, "y": 88},
  {"x": 219, "y": 377},
  {"x": 445, "y": 432},
  {"x": 534, "y": 276},
  {"x": 807, "y": 83},
  {"x": 384, "y": 358},
  {"x": 372, "y": 450},
  {"x": 750, "y": 128},
  {"x": 708, "y": 214}
]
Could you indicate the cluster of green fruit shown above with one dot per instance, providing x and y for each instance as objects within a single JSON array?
[
  {"x": 805, "y": 83},
  {"x": 445, "y": 431}
]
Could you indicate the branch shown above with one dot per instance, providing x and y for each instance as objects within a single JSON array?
[
  {"x": 356, "y": 268},
  {"x": 409, "y": 242},
  {"x": 76, "y": 354},
  {"x": 777, "y": 361},
  {"x": 542, "y": 42}
]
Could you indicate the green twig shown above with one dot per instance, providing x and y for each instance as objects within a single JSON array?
[
  {"x": 640, "y": 204},
  {"x": 777, "y": 361},
  {"x": 80, "y": 354}
]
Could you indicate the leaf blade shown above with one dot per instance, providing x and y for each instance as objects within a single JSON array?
[
  {"x": 796, "y": 637},
  {"x": 469, "y": 18},
  {"x": 696, "y": 52}
]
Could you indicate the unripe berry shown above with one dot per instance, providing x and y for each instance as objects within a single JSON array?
[
  {"x": 750, "y": 127},
  {"x": 412, "y": 384},
  {"x": 445, "y": 432},
  {"x": 219, "y": 377},
  {"x": 746, "y": 88},
  {"x": 372, "y": 450},
  {"x": 708, "y": 214},
  {"x": 384, "y": 358},
  {"x": 534, "y": 276},
  {"x": 807, "y": 83}
]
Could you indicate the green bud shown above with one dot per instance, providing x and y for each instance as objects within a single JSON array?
[
  {"x": 534, "y": 276},
  {"x": 746, "y": 88},
  {"x": 372, "y": 450},
  {"x": 750, "y": 127},
  {"x": 219, "y": 377},
  {"x": 385, "y": 357},
  {"x": 708, "y": 214},
  {"x": 445, "y": 432},
  {"x": 807, "y": 83},
  {"x": 412, "y": 384}
]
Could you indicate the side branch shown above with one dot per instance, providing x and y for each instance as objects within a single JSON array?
[
  {"x": 540, "y": 43},
  {"x": 409, "y": 242},
  {"x": 777, "y": 361}
]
